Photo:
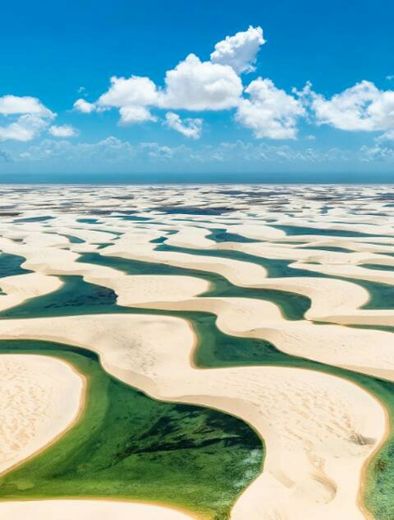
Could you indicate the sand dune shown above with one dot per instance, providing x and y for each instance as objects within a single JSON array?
[
  {"x": 319, "y": 429},
  {"x": 19, "y": 288},
  {"x": 316, "y": 428},
  {"x": 40, "y": 397}
]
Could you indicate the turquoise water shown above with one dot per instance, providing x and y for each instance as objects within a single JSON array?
[
  {"x": 10, "y": 265},
  {"x": 87, "y": 220},
  {"x": 303, "y": 230},
  {"x": 221, "y": 235},
  {"x": 34, "y": 219}
]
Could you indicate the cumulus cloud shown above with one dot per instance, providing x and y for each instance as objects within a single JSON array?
[
  {"x": 24, "y": 118},
  {"x": 13, "y": 105},
  {"x": 131, "y": 96},
  {"x": 269, "y": 111},
  {"x": 200, "y": 85},
  {"x": 25, "y": 128},
  {"x": 135, "y": 114},
  {"x": 362, "y": 107},
  {"x": 81, "y": 105},
  {"x": 239, "y": 51},
  {"x": 192, "y": 85},
  {"x": 63, "y": 131},
  {"x": 189, "y": 127},
  {"x": 211, "y": 85},
  {"x": 133, "y": 91}
]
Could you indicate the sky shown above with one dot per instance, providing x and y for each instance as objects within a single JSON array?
[{"x": 254, "y": 91}]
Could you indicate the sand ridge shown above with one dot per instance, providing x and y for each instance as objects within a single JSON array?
[
  {"x": 319, "y": 429},
  {"x": 317, "y": 420}
]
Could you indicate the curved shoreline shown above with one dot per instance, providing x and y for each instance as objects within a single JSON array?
[
  {"x": 66, "y": 264},
  {"x": 78, "y": 413},
  {"x": 78, "y": 417},
  {"x": 189, "y": 395}
]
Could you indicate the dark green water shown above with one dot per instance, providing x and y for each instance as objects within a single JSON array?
[
  {"x": 381, "y": 295},
  {"x": 219, "y": 350},
  {"x": 276, "y": 268},
  {"x": 128, "y": 445},
  {"x": 293, "y": 305},
  {"x": 379, "y": 267},
  {"x": 221, "y": 235}
]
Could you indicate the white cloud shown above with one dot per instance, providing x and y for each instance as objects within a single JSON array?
[
  {"x": 189, "y": 127},
  {"x": 362, "y": 107},
  {"x": 13, "y": 105},
  {"x": 120, "y": 153},
  {"x": 129, "y": 92},
  {"x": 157, "y": 151},
  {"x": 376, "y": 153},
  {"x": 25, "y": 128},
  {"x": 239, "y": 51},
  {"x": 110, "y": 149},
  {"x": 131, "y": 96},
  {"x": 135, "y": 114},
  {"x": 386, "y": 137},
  {"x": 214, "y": 85},
  {"x": 192, "y": 85},
  {"x": 269, "y": 111},
  {"x": 24, "y": 117},
  {"x": 197, "y": 85},
  {"x": 63, "y": 131},
  {"x": 81, "y": 105}
]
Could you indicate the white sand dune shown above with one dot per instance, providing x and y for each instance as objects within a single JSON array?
[
  {"x": 40, "y": 397},
  {"x": 234, "y": 270},
  {"x": 333, "y": 300},
  {"x": 249, "y": 317},
  {"x": 319, "y": 429},
  {"x": 19, "y": 288}
]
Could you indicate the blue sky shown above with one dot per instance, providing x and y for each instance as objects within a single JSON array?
[{"x": 299, "y": 90}]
